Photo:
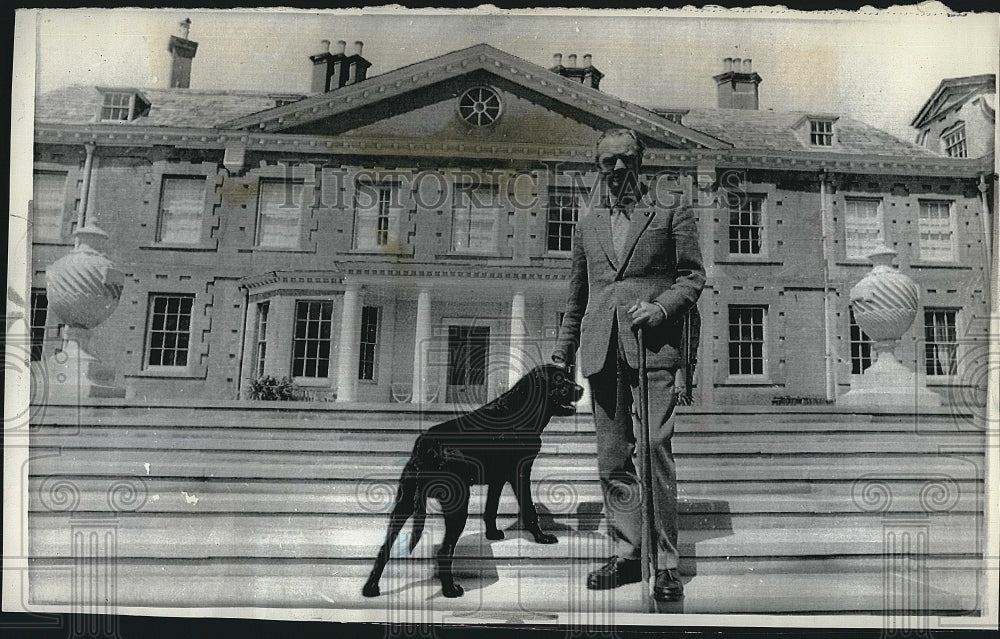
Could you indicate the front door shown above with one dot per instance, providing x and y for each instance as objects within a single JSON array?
[{"x": 468, "y": 352}]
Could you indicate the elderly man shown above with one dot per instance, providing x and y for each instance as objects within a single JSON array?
[{"x": 635, "y": 263}]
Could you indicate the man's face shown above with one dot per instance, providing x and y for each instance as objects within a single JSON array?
[{"x": 618, "y": 162}]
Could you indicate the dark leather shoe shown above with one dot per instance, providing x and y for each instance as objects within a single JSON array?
[
  {"x": 617, "y": 572},
  {"x": 668, "y": 586}
]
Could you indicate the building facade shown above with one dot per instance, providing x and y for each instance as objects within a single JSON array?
[{"x": 407, "y": 236}]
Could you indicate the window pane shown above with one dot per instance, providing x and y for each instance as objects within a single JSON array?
[
  {"x": 182, "y": 203},
  {"x": 941, "y": 344},
  {"x": 377, "y": 215},
  {"x": 39, "y": 316},
  {"x": 311, "y": 344},
  {"x": 746, "y": 340},
  {"x": 563, "y": 215},
  {"x": 863, "y": 227},
  {"x": 476, "y": 214},
  {"x": 48, "y": 206},
  {"x": 169, "y": 330},
  {"x": 936, "y": 233},
  {"x": 369, "y": 344},
  {"x": 279, "y": 214}
]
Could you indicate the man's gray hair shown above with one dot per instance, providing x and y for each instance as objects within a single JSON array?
[{"x": 637, "y": 144}]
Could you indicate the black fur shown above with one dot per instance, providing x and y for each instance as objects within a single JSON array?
[{"x": 493, "y": 445}]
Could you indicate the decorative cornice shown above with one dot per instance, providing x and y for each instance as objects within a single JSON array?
[
  {"x": 317, "y": 145},
  {"x": 309, "y": 279}
]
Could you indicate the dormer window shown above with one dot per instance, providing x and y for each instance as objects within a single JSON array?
[
  {"x": 954, "y": 141},
  {"x": 821, "y": 132},
  {"x": 122, "y": 106}
]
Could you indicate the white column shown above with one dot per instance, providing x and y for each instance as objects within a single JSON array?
[
  {"x": 280, "y": 333},
  {"x": 421, "y": 340},
  {"x": 516, "y": 366},
  {"x": 350, "y": 336}
]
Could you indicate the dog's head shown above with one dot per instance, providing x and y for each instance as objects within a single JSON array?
[{"x": 550, "y": 386}]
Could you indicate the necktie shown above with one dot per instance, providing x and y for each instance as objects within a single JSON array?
[{"x": 619, "y": 231}]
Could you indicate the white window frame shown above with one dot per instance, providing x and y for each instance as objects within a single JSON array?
[
  {"x": 150, "y": 320},
  {"x": 821, "y": 132},
  {"x": 38, "y": 315},
  {"x": 200, "y": 210},
  {"x": 927, "y": 250},
  {"x": 929, "y": 343},
  {"x": 377, "y": 216},
  {"x": 374, "y": 344},
  {"x": 260, "y": 338},
  {"x": 558, "y": 191},
  {"x": 464, "y": 218},
  {"x": 747, "y": 199},
  {"x": 331, "y": 363},
  {"x": 54, "y": 232},
  {"x": 294, "y": 240},
  {"x": 862, "y": 342},
  {"x": 740, "y": 376},
  {"x": 862, "y": 252},
  {"x": 954, "y": 141}
]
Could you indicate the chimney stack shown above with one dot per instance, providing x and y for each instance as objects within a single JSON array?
[
  {"x": 182, "y": 51},
  {"x": 333, "y": 68},
  {"x": 737, "y": 85},
  {"x": 587, "y": 74}
]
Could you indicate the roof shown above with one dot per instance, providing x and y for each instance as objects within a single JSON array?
[
  {"x": 953, "y": 92},
  {"x": 79, "y": 104},
  {"x": 257, "y": 110},
  {"x": 780, "y": 131}
]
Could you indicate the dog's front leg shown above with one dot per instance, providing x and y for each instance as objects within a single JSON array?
[
  {"x": 526, "y": 506},
  {"x": 492, "y": 506}
]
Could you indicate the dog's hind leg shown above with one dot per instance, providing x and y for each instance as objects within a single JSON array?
[
  {"x": 400, "y": 514},
  {"x": 456, "y": 513},
  {"x": 492, "y": 506}
]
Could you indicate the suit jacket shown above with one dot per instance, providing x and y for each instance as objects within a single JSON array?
[{"x": 662, "y": 263}]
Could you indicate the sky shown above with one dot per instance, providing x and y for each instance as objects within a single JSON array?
[{"x": 876, "y": 67}]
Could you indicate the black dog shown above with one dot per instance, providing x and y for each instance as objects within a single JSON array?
[{"x": 493, "y": 445}]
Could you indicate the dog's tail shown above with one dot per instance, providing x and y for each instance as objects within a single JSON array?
[{"x": 419, "y": 517}]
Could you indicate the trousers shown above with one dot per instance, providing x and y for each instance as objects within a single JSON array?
[{"x": 615, "y": 398}]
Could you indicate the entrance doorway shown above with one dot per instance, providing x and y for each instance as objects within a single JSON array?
[{"x": 468, "y": 358}]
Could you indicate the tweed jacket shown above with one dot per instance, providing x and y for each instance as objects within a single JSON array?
[{"x": 662, "y": 264}]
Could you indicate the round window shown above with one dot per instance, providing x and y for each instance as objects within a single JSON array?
[{"x": 479, "y": 106}]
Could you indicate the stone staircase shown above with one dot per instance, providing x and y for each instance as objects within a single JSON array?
[{"x": 783, "y": 511}]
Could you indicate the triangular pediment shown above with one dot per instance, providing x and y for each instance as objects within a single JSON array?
[{"x": 421, "y": 100}]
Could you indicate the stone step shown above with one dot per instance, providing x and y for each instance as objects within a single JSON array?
[
  {"x": 515, "y": 593},
  {"x": 317, "y": 442},
  {"x": 330, "y": 537},
  {"x": 559, "y": 465},
  {"x": 562, "y": 497},
  {"x": 48, "y": 420}
]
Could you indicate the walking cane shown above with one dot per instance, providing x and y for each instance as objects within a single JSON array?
[{"x": 648, "y": 542}]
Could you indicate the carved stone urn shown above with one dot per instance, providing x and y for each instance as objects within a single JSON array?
[
  {"x": 83, "y": 290},
  {"x": 885, "y": 302}
]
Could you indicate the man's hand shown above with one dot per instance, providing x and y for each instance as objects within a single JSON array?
[{"x": 646, "y": 313}]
